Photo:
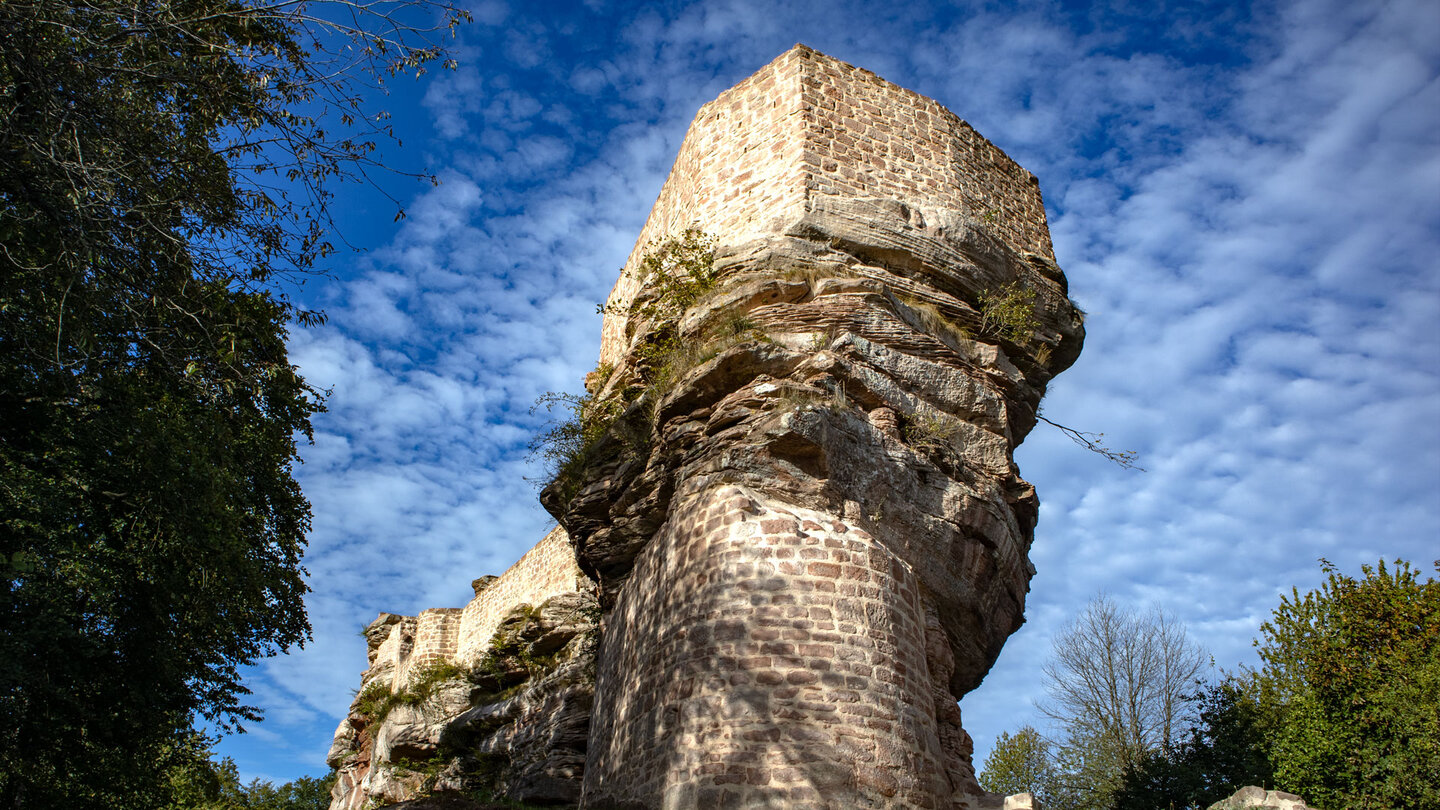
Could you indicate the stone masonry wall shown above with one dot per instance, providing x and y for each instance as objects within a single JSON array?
[
  {"x": 436, "y": 632},
  {"x": 461, "y": 635},
  {"x": 540, "y": 728},
  {"x": 807, "y": 127},
  {"x": 767, "y": 652},
  {"x": 866, "y": 137},
  {"x": 738, "y": 173},
  {"x": 546, "y": 570}
]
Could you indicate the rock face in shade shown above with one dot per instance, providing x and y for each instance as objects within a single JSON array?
[{"x": 801, "y": 523}]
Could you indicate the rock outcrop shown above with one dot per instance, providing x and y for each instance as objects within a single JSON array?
[
  {"x": 1261, "y": 799},
  {"x": 492, "y": 700},
  {"x": 808, "y": 532},
  {"x": 796, "y": 499}
]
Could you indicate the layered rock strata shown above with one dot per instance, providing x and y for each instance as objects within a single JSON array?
[
  {"x": 494, "y": 698},
  {"x": 807, "y": 528},
  {"x": 796, "y": 509}
]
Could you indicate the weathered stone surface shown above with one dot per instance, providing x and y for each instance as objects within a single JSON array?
[
  {"x": 811, "y": 544},
  {"x": 1261, "y": 799},
  {"x": 480, "y": 584},
  {"x": 412, "y": 732},
  {"x": 558, "y": 621},
  {"x": 516, "y": 724},
  {"x": 344, "y": 743},
  {"x": 808, "y": 537},
  {"x": 444, "y": 802},
  {"x": 530, "y": 745}
]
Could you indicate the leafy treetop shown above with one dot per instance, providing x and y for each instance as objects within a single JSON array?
[
  {"x": 1352, "y": 673},
  {"x": 164, "y": 166}
]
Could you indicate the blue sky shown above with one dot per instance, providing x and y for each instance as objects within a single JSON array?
[{"x": 1245, "y": 197}]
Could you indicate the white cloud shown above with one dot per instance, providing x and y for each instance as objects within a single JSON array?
[{"x": 1254, "y": 241}]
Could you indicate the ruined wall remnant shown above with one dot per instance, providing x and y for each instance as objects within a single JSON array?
[
  {"x": 804, "y": 527},
  {"x": 440, "y": 707},
  {"x": 806, "y": 130}
]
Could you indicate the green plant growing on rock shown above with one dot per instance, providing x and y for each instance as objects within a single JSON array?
[
  {"x": 377, "y": 699},
  {"x": 596, "y": 380},
  {"x": 509, "y": 661},
  {"x": 1009, "y": 313},
  {"x": 565, "y": 447},
  {"x": 427, "y": 769},
  {"x": 682, "y": 355},
  {"x": 935, "y": 321},
  {"x": 793, "y": 398},
  {"x": 931, "y": 432},
  {"x": 425, "y": 684},
  {"x": 820, "y": 341},
  {"x": 491, "y": 769},
  {"x": 838, "y": 400},
  {"x": 676, "y": 272}
]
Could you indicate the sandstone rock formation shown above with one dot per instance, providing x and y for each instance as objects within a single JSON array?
[
  {"x": 1261, "y": 799},
  {"x": 812, "y": 543},
  {"x": 798, "y": 505},
  {"x": 495, "y": 697}
]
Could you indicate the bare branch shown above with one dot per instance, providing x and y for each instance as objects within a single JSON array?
[{"x": 1093, "y": 443}]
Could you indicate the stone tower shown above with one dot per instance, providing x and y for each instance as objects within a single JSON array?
[{"x": 799, "y": 510}]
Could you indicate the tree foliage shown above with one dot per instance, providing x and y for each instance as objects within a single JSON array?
[
  {"x": 1351, "y": 672},
  {"x": 1116, "y": 684},
  {"x": 1344, "y": 711},
  {"x": 1020, "y": 763},
  {"x": 204, "y": 784},
  {"x": 164, "y": 167},
  {"x": 1223, "y": 751}
]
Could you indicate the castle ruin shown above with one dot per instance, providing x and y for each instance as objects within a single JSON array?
[{"x": 795, "y": 536}]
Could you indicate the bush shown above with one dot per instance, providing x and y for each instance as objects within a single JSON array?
[
  {"x": 376, "y": 700},
  {"x": 935, "y": 433},
  {"x": 676, "y": 273},
  {"x": 564, "y": 448},
  {"x": 1009, "y": 313}
]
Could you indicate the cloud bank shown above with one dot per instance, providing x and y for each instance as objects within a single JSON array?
[{"x": 1246, "y": 200}]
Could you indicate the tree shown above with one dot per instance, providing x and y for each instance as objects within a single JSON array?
[
  {"x": 1352, "y": 673},
  {"x": 1116, "y": 683},
  {"x": 164, "y": 169},
  {"x": 1224, "y": 750},
  {"x": 1021, "y": 763},
  {"x": 204, "y": 784}
]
